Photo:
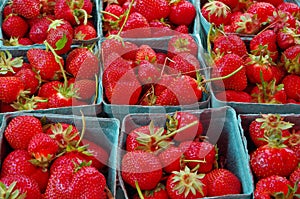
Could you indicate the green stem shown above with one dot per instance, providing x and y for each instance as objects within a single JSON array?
[
  {"x": 83, "y": 129},
  {"x": 226, "y": 76},
  {"x": 139, "y": 190},
  {"x": 110, "y": 14},
  {"x": 126, "y": 17}
]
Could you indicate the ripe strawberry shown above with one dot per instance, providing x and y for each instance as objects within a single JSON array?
[
  {"x": 142, "y": 168},
  {"x": 38, "y": 31},
  {"x": 26, "y": 8},
  {"x": 294, "y": 178},
  {"x": 48, "y": 69},
  {"x": 182, "y": 13},
  {"x": 158, "y": 193},
  {"x": 87, "y": 182},
  {"x": 182, "y": 29},
  {"x": 273, "y": 159},
  {"x": 183, "y": 119},
  {"x": 47, "y": 6},
  {"x": 293, "y": 142},
  {"x": 267, "y": 187},
  {"x": 286, "y": 38},
  {"x": 49, "y": 88},
  {"x": 14, "y": 26},
  {"x": 221, "y": 182},
  {"x": 160, "y": 29},
  {"x": 226, "y": 65},
  {"x": 234, "y": 96},
  {"x": 273, "y": 2},
  {"x": 18, "y": 162},
  {"x": 136, "y": 26},
  {"x": 62, "y": 98},
  {"x": 147, "y": 73},
  {"x": 19, "y": 186},
  {"x": 291, "y": 59},
  {"x": 290, "y": 7},
  {"x": 177, "y": 187},
  {"x": 231, "y": 3},
  {"x": 10, "y": 89},
  {"x": 85, "y": 88},
  {"x": 7, "y": 10},
  {"x": 216, "y": 12},
  {"x": 245, "y": 23},
  {"x": 163, "y": 83},
  {"x": 30, "y": 80},
  {"x": 145, "y": 52},
  {"x": 82, "y": 64},
  {"x": 153, "y": 9},
  {"x": 182, "y": 43},
  {"x": 20, "y": 130},
  {"x": 291, "y": 86},
  {"x": 199, "y": 154},
  {"x": 230, "y": 44},
  {"x": 85, "y": 32},
  {"x": 171, "y": 159},
  {"x": 184, "y": 63},
  {"x": 263, "y": 10},
  {"x": 267, "y": 126}
]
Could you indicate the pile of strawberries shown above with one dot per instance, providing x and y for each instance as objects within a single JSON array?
[
  {"x": 271, "y": 58},
  {"x": 276, "y": 157},
  {"x": 147, "y": 18},
  {"x": 141, "y": 75},
  {"x": 27, "y": 22},
  {"x": 174, "y": 162},
  {"x": 51, "y": 160}
]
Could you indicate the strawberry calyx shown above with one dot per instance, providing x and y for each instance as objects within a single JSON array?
[
  {"x": 271, "y": 122},
  {"x": 217, "y": 8},
  {"x": 159, "y": 187},
  {"x": 8, "y": 63},
  {"x": 29, "y": 103},
  {"x": 293, "y": 33},
  {"x": 81, "y": 165},
  {"x": 9, "y": 192},
  {"x": 42, "y": 160},
  {"x": 292, "y": 65},
  {"x": 13, "y": 41},
  {"x": 188, "y": 182},
  {"x": 262, "y": 50},
  {"x": 294, "y": 139},
  {"x": 248, "y": 24},
  {"x": 290, "y": 194}
]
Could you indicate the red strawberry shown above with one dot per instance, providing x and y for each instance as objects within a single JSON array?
[
  {"x": 5, "y": 107},
  {"x": 20, "y": 130},
  {"x": 145, "y": 52},
  {"x": 48, "y": 69},
  {"x": 153, "y": 9},
  {"x": 30, "y": 79},
  {"x": 85, "y": 88},
  {"x": 291, "y": 59},
  {"x": 221, "y": 182},
  {"x": 26, "y": 8},
  {"x": 199, "y": 154},
  {"x": 38, "y": 31},
  {"x": 294, "y": 178},
  {"x": 67, "y": 159},
  {"x": 245, "y": 23},
  {"x": 18, "y": 162},
  {"x": 230, "y": 44},
  {"x": 181, "y": 120},
  {"x": 231, "y": 3},
  {"x": 182, "y": 43},
  {"x": 267, "y": 126},
  {"x": 163, "y": 83},
  {"x": 147, "y": 73},
  {"x": 178, "y": 189},
  {"x": 62, "y": 98},
  {"x": 182, "y": 29},
  {"x": 32, "y": 103},
  {"x": 286, "y": 38},
  {"x": 85, "y": 32},
  {"x": 142, "y": 168},
  {"x": 216, "y": 12},
  {"x": 47, "y": 6},
  {"x": 160, "y": 29},
  {"x": 265, "y": 38},
  {"x": 293, "y": 142},
  {"x": 10, "y": 89},
  {"x": 136, "y": 26},
  {"x": 290, "y": 7},
  {"x": 7, "y": 10},
  {"x": 82, "y": 64},
  {"x": 234, "y": 96},
  {"x": 158, "y": 193},
  {"x": 182, "y": 13},
  {"x": 292, "y": 86},
  {"x": 49, "y": 88},
  {"x": 14, "y": 26},
  {"x": 273, "y": 159},
  {"x": 18, "y": 186},
  {"x": 171, "y": 159},
  {"x": 278, "y": 72},
  {"x": 225, "y": 66},
  {"x": 267, "y": 187},
  {"x": 263, "y": 10}
]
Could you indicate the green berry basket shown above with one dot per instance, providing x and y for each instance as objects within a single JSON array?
[
  {"x": 96, "y": 20},
  {"x": 120, "y": 111},
  {"x": 102, "y": 131},
  {"x": 221, "y": 127}
]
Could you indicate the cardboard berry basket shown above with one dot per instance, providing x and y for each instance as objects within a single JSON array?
[
  {"x": 102, "y": 131},
  {"x": 159, "y": 45},
  {"x": 194, "y": 27},
  {"x": 95, "y": 17},
  {"x": 221, "y": 128}
]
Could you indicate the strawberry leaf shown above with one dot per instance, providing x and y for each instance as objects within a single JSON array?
[{"x": 60, "y": 44}]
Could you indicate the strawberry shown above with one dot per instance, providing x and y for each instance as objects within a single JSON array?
[
  {"x": 26, "y": 8},
  {"x": 226, "y": 65},
  {"x": 160, "y": 29},
  {"x": 153, "y": 9},
  {"x": 10, "y": 89},
  {"x": 265, "y": 38},
  {"x": 294, "y": 178},
  {"x": 272, "y": 185},
  {"x": 32, "y": 103},
  {"x": 292, "y": 86},
  {"x": 10, "y": 65},
  {"x": 38, "y": 31},
  {"x": 263, "y": 10},
  {"x": 147, "y": 73},
  {"x": 291, "y": 59},
  {"x": 245, "y": 23},
  {"x": 234, "y": 96},
  {"x": 14, "y": 26},
  {"x": 19, "y": 186},
  {"x": 136, "y": 26},
  {"x": 48, "y": 69},
  {"x": 273, "y": 159},
  {"x": 145, "y": 52},
  {"x": 30, "y": 80},
  {"x": 221, "y": 182},
  {"x": 273, "y": 2},
  {"x": 290, "y": 7},
  {"x": 85, "y": 88},
  {"x": 85, "y": 32},
  {"x": 201, "y": 155},
  {"x": 7, "y": 10},
  {"x": 181, "y": 120},
  {"x": 182, "y": 13},
  {"x": 158, "y": 193},
  {"x": 177, "y": 187},
  {"x": 182, "y": 43},
  {"x": 286, "y": 38},
  {"x": 185, "y": 63},
  {"x": 49, "y": 88},
  {"x": 216, "y": 12},
  {"x": 142, "y": 168},
  {"x": 82, "y": 64},
  {"x": 171, "y": 159},
  {"x": 47, "y": 6},
  {"x": 87, "y": 182},
  {"x": 163, "y": 83},
  {"x": 182, "y": 29},
  {"x": 267, "y": 126},
  {"x": 18, "y": 162},
  {"x": 293, "y": 142},
  {"x": 230, "y": 44},
  {"x": 231, "y": 3},
  {"x": 62, "y": 98}
]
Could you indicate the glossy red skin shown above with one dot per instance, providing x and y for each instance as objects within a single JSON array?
[
  {"x": 38, "y": 31},
  {"x": 234, "y": 96},
  {"x": 26, "y": 8},
  {"x": 14, "y": 26},
  {"x": 295, "y": 177},
  {"x": 88, "y": 31},
  {"x": 292, "y": 8},
  {"x": 187, "y": 44},
  {"x": 48, "y": 89},
  {"x": 58, "y": 100},
  {"x": 213, "y": 17},
  {"x": 171, "y": 159},
  {"x": 263, "y": 10},
  {"x": 10, "y": 88},
  {"x": 182, "y": 13},
  {"x": 292, "y": 86},
  {"x": 231, "y": 43},
  {"x": 28, "y": 77},
  {"x": 152, "y": 10},
  {"x": 161, "y": 194}
]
